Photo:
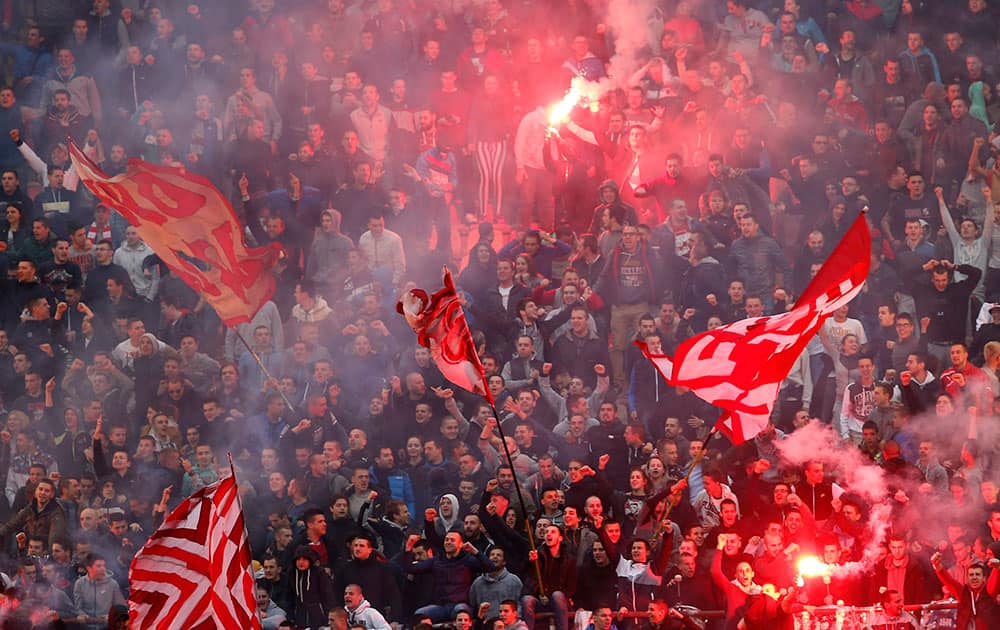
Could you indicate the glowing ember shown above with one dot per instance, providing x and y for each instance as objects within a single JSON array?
[{"x": 811, "y": 566}]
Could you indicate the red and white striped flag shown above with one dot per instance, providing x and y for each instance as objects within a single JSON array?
[
  {"x": 440, "y": 324},
  {"x": 194, "y": 571},
  {"x": 739, "y": 367}
]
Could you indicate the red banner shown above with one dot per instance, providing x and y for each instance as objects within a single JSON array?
[
  {"x": 440, "y": 325},
  {"x": 185, "y": 219},
  {"x": 739, "y": 367}
]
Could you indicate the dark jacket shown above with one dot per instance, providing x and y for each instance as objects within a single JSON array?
[
  {"x": 979, "y": 608},
  {"x": 453, "y": 576},
  {"x": 578, "y": 356},
  {"x": 915, "y": 580},
  {"x": 48, "y": 524},
  {"x": 311, "y": 592},
  {"x": 598, "y": 589},
  {"x": 376, "y": 581},
  {"x": 590, "y": 486},
  {"x": 558, "y": 574},
  {"x": 948, "y": 309}
]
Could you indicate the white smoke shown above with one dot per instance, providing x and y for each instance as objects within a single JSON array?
[
  {"x": 629, "y": 24},
  {"x": 819, "y": 443},
  {"x": 633, "y": 30}
]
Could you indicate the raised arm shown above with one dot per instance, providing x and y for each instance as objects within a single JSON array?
[
  {"x": 951, "y": 583},
  {"x": 717, "y": 575},
  {"x": 946, "y": 220}
]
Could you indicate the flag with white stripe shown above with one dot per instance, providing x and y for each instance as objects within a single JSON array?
[
  {"x": 194, "y": 571},
  {"x": 739, "y": 367}
]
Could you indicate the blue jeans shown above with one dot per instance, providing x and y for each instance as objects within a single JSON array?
[
  {"x": 558, "y": 606},
  {"x": 442, "y": 613}
]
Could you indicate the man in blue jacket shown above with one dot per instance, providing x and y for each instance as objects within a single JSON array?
[{"x": 453, "y": 573}]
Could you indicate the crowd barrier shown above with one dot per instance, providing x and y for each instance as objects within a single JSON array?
[{"x": 936, "y": 615}]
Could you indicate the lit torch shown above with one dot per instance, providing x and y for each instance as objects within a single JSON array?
[
  {"x": 559, "y": 113},
  {"x": 809, "y": 567}
]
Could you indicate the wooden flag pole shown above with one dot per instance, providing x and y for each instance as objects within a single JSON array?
[{"x": 520, "y": 497}]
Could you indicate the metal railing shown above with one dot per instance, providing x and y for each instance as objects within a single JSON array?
[{"x": 817, "y": 616}]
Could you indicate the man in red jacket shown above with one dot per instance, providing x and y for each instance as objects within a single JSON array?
[{"x": 977, "y": 607}]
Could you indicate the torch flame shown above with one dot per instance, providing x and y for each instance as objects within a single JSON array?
[
  {"x": 560, "y": 112},
  {"x": 811, "y": 566}
]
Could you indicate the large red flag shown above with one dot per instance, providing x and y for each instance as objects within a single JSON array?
[
  {"x": 440, "y": 325},
  {"x": 194, "y": 571},
  {"x": 193, "y": 229},
  {"x": 739, "y": 367}
]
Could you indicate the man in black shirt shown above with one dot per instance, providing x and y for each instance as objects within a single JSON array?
[{"x": 60, "y": 272}]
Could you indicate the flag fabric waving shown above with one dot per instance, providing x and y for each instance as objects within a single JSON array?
[
  {"x": 739, "y": 367},
  {"x": 194, "y": 571},
  {"x": 440, "y": 325},
  {"x": 192, "y": 228}
]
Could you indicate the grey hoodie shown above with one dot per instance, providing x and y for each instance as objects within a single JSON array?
[
  {"x": 487, "y": 588},
  {"x": 95, "y": 598},
  {"x": 367, "y": 616},
  {"x": 327, "y": 260}
]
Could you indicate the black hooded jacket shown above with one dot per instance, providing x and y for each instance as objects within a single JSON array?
[{"x": 310, "y": 592}]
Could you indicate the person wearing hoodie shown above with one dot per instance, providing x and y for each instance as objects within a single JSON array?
[
  {"x": 326, "y": 261},
  {"x": 309, "y": 307},
  {"x": 601, "y": 585},
  {"x": 95, "y": 593},
  {"x": 508, "y": 616},
  {"x": 481, "y": 271},
  {"x": 704, "y": 277},
  {"x": 271, "y": 615},
  {"x": 438, "y": 524},
  {"x": 312, "y": 590},
  {"x": 360, "y": 611},
  {"x": 496, "y": 586},
  {"x": 609, "y": 197},
  {"x": 129, "y": 256}
]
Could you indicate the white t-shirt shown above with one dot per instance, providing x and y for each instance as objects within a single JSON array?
[
  {"x": 505, "y": 295},
  {"x": 836, "y": 331}
]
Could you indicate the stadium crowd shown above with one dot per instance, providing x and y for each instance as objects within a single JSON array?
[{"x": 376, "y": 141}]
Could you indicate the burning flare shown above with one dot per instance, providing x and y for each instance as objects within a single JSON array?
[
  {"x": 559, "y": 113},
  {"x": 809, "y": 567}
]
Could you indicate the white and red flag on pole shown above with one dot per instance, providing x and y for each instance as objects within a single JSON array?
[
  {"x": 194, "y": 571},
  {"x": 739, "y": 367},
  {"x": 192, "y": 228},
  {"x": 440, "y": 325}
]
